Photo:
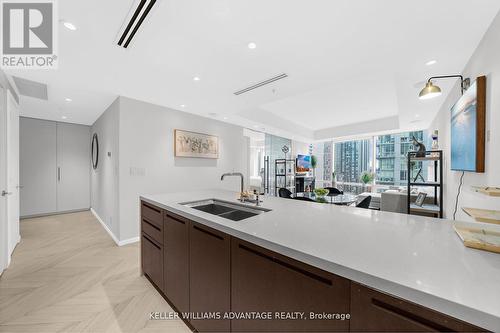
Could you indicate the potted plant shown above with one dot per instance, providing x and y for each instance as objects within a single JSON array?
[
  {"x": 321, "y": 193},
  {"x": 366, "y": 178},
  {"x": 314, "y": 163}
]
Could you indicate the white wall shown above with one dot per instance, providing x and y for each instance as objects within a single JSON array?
[
  {"x": 485, "y": 61},
  {"x": 140, "y": 137},
  {"x": 104, "y": 180}
]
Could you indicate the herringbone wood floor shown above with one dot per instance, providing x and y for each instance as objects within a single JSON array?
[{"x": 67, "y": 275}]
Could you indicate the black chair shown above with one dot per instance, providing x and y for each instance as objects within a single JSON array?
[
  {"x": 285, "y": 193},
  {"x": 333, "y": 191},
  {"x": 365, "y": 203},
  {"x": 304, "y": 199}
]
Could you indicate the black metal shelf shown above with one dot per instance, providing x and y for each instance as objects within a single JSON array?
[
  {"x": 284, "y": 163},
  {"x": 435, "y": 157}
]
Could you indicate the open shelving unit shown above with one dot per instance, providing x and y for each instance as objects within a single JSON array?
[
  {"x": 436, "y": 208},
  {"x": 284, "y": 175}
]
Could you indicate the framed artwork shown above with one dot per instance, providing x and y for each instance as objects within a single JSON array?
[
  {"x": 420, "y": 199},
  {"x": 192, "y": 144},
  {"x": 468, "y": 123}
]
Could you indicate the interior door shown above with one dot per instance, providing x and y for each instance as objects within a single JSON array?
[
  {"x": 3, "y": 182},
  {"x": 38, "y": 167},
  {"x": 13, "y": 171},
  {"x": 73, "y": 167}
]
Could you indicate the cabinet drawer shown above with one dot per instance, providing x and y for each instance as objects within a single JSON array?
[
  {"x": 152, "y": 214},
  {"x": 265, "y": 281},
  {"x": 372, "y": 310},
  {"x": 152, "y": 230},
  {"x": 152, "y": 260}
]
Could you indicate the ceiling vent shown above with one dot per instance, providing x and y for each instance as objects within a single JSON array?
[
  {"x": 135, "y": 22},
  {"x": 31, "y": 88},
  {"x": 261, "y": 84}
]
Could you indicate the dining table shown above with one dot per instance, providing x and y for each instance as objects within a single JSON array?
[{"x": 345, "y": 199}]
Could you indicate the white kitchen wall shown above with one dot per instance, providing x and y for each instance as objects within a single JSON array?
[
  {"x": 104, "y": 180},
  {"x": 140, "y": 138},
  {"x": 484, "y": 61}
]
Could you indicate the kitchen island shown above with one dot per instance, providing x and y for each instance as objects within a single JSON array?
[{"x": 377, "y": 267}]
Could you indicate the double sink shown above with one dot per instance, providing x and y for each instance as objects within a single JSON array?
[{"x": 225, "y": 209}]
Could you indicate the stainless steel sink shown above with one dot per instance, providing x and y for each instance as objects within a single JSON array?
[{"x": 225, "y": 209}]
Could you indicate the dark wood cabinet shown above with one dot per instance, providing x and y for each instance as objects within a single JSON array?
[
  {"x": 265, "y": 281},
  {"x": 372, "y": 311},
  {"x": 152, "y": 260},
  {"x": 209, "y": 273},
  {"x": 176, "y": 265},
  {"x": 209, "y": 277}
]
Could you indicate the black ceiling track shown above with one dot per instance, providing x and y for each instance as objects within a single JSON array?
[{"x": 137, "y": 23}]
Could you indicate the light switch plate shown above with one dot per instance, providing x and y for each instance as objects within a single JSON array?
[{"x": 138, "y": 172}]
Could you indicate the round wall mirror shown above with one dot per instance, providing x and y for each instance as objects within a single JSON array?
[{"x": 95, "y": 151}]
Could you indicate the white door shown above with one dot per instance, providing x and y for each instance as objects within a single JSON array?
[
  {"x": 13, "y": 172},
  {"x": 4, "y": 240},
  {"x": 38, "y": 167},
  {"x": 73, "y": 163}
]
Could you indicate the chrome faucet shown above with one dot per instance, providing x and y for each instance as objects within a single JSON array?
[{"x": 239, "y": 174}]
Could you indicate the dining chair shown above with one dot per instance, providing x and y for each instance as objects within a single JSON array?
[
  {"x": 333, "y": 191},
  {"x": 365, "y": 203},
  {"x": 285, "y": 193}
]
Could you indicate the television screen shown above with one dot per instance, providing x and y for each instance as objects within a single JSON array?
[
  {"x": 303, "y": 162},
  {"x": 468, "y": 129}
]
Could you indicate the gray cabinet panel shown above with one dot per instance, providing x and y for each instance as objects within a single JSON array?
[
  {"x": 73, "y": 162},
  {"x": 37, "y": 149}
]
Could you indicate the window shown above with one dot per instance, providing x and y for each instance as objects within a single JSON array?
[
  {"x": 351, "y": 159},
  {"x": 391, "y": 158}
]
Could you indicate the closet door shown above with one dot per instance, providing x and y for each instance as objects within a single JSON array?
[
  {"x": 38, "y": 169},
  {"x": 73, "y": 167}
]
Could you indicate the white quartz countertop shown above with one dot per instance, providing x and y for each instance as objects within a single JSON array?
[{"x": 416, "y": 258}]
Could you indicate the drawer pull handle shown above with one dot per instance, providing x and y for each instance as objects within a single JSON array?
[
  {"x": 208, "y": 232},
  {"x": 409, "y": 316},
  {"x": 151, "y": 224},
  {"x": 151, "y": 207},
  {"x": 150, "y": 241},
  {"x": 175, "y": 219},
  {"x": 287, "y": 265}
]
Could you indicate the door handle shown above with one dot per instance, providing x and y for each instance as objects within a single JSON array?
[
  {"x": 20, "y": 186},
  {"x": 58, "y": 174},
  {"x": 5, "y": 193}
]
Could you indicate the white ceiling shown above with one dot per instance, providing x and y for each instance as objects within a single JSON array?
[{"x": 348, "y": 61}]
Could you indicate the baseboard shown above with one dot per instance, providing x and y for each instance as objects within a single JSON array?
[
  {"x": 105, "y": 226},
  {"x": 129, "y": 241},
  {"x": 25, "y": 217},
  {"x": 115, "y": 239}
]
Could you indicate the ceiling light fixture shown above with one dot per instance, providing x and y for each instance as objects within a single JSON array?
[
  {"x": 68, "y": 100},
  {"x": 183, "y": 105},
  {"x": 196, "y": 78},
  {"x": 252, "y": 45},
  {"x": 431, "y": 62},
  {"x": 64, "y": 117},
  {"x": 69, "y": 25},
  {"x": 430, "y": 90}
]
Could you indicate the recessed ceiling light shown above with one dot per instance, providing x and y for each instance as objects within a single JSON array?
[
  {"x": 183, "y": 105},
  {"x": 64, "y": 117},
  {"x": 196, "y": 78},
  {"x": 69, "y": 25},
  {"x": 252, "y": 45},
  {"x": 68, "y": 100},
  {"x": 225, "y": 118},
  {"x": 431, "y": 62}
]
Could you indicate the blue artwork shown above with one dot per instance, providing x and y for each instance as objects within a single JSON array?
[{"x": 464, "y": 131}]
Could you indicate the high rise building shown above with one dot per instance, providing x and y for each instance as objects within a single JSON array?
[
  {"x": 352, "y": 158},
  {"x": 391, "y": 156}
]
